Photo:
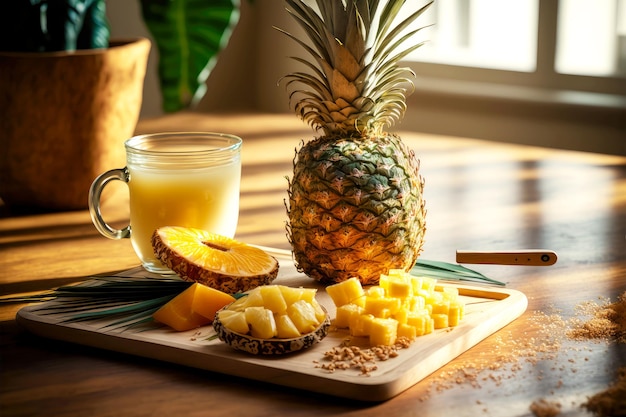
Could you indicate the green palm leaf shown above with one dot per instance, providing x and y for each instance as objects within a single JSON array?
[
  {"x": 454, "y": 272},
  {"x": 189, "y": 36}
]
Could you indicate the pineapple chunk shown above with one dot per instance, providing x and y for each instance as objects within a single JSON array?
[
  {"x": 194, "y": 307},
  {"x": 234, "y": 320},
  {"x": 440, "y": 320},
  {"x": 345, "y": 314},
  {"x": 207, "y": 301},
  {"x": 345, "y": 292},
  {"x": 414, "y": 305},
  {"x": 261, "y": 321},
  {"x": 404, "y": 330},
  {"x": 382, "y": 307},
  {"x": 383, "y": 332},
  {"x": 273, "y": 298},
  {"x": 303, "y": 316},
  {"x": 291, "y": 295},
  {"x": 360, "y": 325},
  {"x": 285, "y": 328}
]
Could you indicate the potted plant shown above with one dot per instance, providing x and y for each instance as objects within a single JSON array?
[{"x": 70, "y": 96}]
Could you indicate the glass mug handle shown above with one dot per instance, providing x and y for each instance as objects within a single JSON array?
[{"x": 120, "y": 174}]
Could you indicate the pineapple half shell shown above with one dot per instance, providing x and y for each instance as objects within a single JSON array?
[{"x": 356, "y": 206}]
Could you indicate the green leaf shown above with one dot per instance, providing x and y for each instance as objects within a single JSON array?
[
  {"x": 449, "y": 271},
  {"x": 189, "y": 35}
]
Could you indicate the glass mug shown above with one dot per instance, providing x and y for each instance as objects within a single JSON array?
[{"x": 184, "y": 179}]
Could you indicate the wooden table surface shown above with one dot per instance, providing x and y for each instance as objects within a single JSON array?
[{"x": 480, "y": 196}]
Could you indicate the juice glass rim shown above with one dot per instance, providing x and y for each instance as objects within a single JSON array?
[{"x": 196, "y": 147}]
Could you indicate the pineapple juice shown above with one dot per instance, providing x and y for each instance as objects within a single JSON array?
[
  {"x": 206, "y": 199},
  {"x": 188, "y": 179}
]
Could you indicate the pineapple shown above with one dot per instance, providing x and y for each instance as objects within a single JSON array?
[{"x": 355, "y": 201}]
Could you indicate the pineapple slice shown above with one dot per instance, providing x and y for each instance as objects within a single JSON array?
[{"x": 214, "y": 260}]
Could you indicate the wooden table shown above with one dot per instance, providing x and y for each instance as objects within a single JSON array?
[{"x": 480, "y": 196}]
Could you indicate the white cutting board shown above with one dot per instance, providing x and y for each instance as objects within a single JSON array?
[{"x": 487, "y": 310}]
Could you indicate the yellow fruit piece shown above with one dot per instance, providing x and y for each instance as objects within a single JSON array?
[
  {"x": 441, "y": 307},
  {"x": 375, "y": 291},
  {"x": 303, "y": 316},
  {"x": 214, "y": 260},
  {"x": 234, "y": 320},
  {"x": 285, "y": 328},
  {"x": 207, "y": 301},
  {"x": 382, "y": 307},
  {"x": 418, "y": 321},
  {"x": 273, "y": 298},
  {"x": 346, "y": 313},
  {"x": 293, "y": 294},
  {"x": 194, "y": 307},
  {"x": 440, "y": 320},
  {"x": 320, "y": 314},
  {"x": 383, "y": 332},
  {"x": 404, "y": 330},
  {"x": 399, "y": 286},
  {"x": 261, "y": 321},
  {"x": 360, "y": 325},
  {"x": 345, "y": 292},
  {"x": 455, "y": 314}
]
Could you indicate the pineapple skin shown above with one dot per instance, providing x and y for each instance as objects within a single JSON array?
[{"x": 356, "y": 207}]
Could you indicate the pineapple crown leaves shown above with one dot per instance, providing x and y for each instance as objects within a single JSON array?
[{"x": 354, "y": 82}]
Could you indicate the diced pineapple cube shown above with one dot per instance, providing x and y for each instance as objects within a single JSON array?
[
  {"x": 416, "y": 284},
  {"x": 402, "y": 314},
  {"x": 382, "y": 306},
  {"x": 440, "y": 320},
  {"x": 454, "y": 315},
  {"x": 399, "y": 287},
  {"x": 383, "y": 332},
  {"x": 285, "y": 327},
  {"x": 273, "y": 298},
  {"x": 428, "y": 284},
  {"x": 375, "y": 291},
  {"x": 418, "y": 321},
  {"x": 404, "y": 330},
  {"x": 261, "y": 321},
  {"x": 346, "y": 313},
  {"x": 441, "y": 307},
  {"x": 345, "y": 292},
  {"x": 360, "y": 326},
  {"x": 417, "y": 302},
  {"x": 234, "y": 320},
  {"x": 430, "y": 325},
  {"x": 303, "y": 316}
]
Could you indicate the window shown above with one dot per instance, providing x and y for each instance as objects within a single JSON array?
[
  {"x": 540, "y": 43},
  {"x": 466, "y": 33}
]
